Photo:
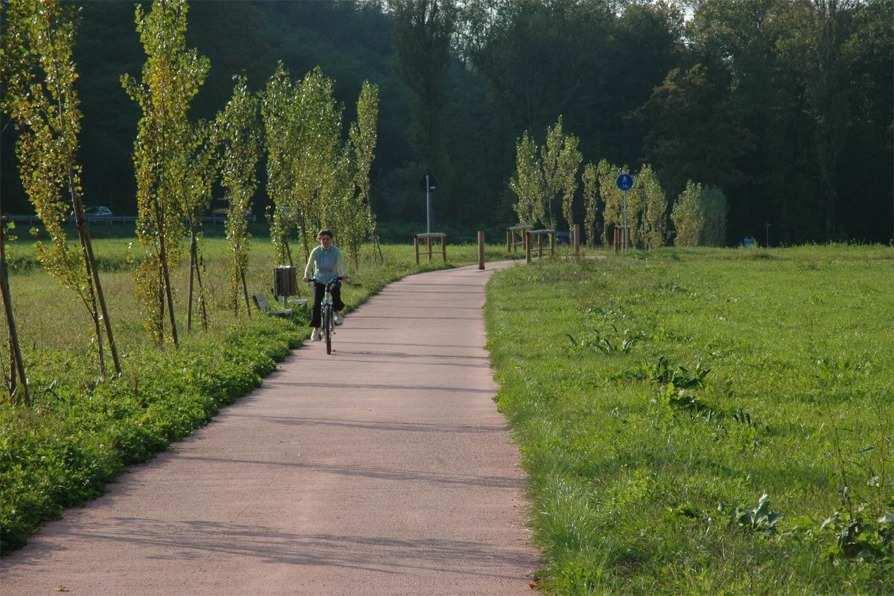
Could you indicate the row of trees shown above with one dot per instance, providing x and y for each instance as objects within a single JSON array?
[
  {"x": 782, "y": 103},
  {"x": 316, "y": 178},
  {"x": 741, "y": 95},
  {"x": 325, "y": 182},
  {"x": 551, "y": 173}
]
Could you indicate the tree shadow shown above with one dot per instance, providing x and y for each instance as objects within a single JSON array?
[
  {"x": 190, "y": 540},
  {"x": 374, "y": 386},
  {"x": 415, "y": 427}
]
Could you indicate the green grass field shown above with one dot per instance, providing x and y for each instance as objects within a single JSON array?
[
  {"x": 657, "y": 397},
  {"x": 79, "y": 433}
]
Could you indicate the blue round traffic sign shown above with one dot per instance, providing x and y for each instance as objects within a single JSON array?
[{"x": 625, "y": 181}]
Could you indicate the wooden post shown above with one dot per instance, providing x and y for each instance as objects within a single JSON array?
[
  {"x": 527, "y": 246},
  {"x": 444, "y": 246},
  {"x": 416, "y": 248},
  {"x": 552, "y": 243},
  {"x": 428, "y": 240},
  {"x": 509, "y": 242},
  {"x": 539, "y": 246},
  {"x": 481, "y": 250},
  {"x": 577, "y": 240}
]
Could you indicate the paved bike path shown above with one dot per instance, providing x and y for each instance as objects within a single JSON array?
[{"x": 384, "y": 468}]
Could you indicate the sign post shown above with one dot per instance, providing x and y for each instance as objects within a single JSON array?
[
  {"x": 430, "y": 184},
  {"x": 625, "y": 183}
]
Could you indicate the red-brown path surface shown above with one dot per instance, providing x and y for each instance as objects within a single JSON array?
[{"x": 384, "y": 468}]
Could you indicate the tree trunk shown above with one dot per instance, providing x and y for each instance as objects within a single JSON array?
[
  {"x": 304, "y": 240},
  {"x": 199, "y": 263},
  {"x": 13, "y": 371},
  {"x": 97, "y": 329},
  {"x": 378, "y": 248},
  {"x": 93, "y": 278},
  {"x": 192, "y": 266},
  {"x": 17, "y": 365},
  {"x": 166, "y": 277},
  {"x": 161, "y": 306},
  {"x": 245, "y": 292}
]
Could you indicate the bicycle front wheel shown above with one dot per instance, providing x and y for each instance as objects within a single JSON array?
[{"x": 327, "y": 328}]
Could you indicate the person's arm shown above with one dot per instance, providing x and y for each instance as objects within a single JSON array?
[{"x": 310, "y": 268}]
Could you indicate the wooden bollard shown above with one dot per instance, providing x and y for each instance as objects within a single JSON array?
[
  {"x": 444, "y": 247},
  {"x": 428, "y": 239},
  {"x": 416, "y": 248},
  {"x": 481, "y": 250},
  {"x": 577, "y": 240},
  {"x": 527, "y": 246}
]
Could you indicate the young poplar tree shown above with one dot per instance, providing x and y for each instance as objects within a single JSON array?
[
  {"x": 345, "y": 195},
  {"x": 278, "y": 112},
  {"x": 551, "y": 162},
  {"x": 44, "y": 104},
  {"x": 318, "y": 145},
  {"x": 591, "y": 202},
  {"x": 632, "y": 210},
  {"x": 171, "y": 77},
  {"x": 699, "y": 216},
  {"x": 527, "y": 182},
  {"x": 714, "y": 208},
  {"x": 612, "y": 217},
  {"x": 237, "y": 130},
  {"x": 362, "y": 139},
  {"x": 688, "y": 216},
  {"x": 17, "y": 376},
  {"x": 199, "y": 178},
  {"x": 654, "y": 208},
  {"x": 341, "y": 202},
  {"x": 569, "y": 162}
]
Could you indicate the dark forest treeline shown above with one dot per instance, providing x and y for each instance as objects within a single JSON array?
[{"x": 785, "y": 104}]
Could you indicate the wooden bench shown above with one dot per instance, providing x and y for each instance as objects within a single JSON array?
[
  {"x": 440, "y": 237},
  {"x": 515, "y": 236},
  {"x": 530, "y": 235}
]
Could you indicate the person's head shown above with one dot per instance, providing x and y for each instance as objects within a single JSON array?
[{"x": 325, "y": 238}]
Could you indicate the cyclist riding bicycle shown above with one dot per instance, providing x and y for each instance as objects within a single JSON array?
[{"x": 324, "y": 266}]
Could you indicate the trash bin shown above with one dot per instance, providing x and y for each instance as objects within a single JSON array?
[{"x": 285, "y": 281}]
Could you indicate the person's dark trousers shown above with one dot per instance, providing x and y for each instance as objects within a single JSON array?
[{"x": 319, "y": 290}]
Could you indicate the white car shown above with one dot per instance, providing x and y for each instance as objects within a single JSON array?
[{"x": 97, "y": 213}]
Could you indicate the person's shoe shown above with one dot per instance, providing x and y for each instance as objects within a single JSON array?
[
  {"x": 339, "y": 319},
  {"x": 316, "y": 335}
]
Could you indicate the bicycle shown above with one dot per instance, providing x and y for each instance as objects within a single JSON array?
[{"x": 327, "y": 314}]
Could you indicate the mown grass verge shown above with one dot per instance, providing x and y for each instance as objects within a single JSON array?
[
  {"x": 704, "y": 421},
  {"x": 80, "y": 433}
]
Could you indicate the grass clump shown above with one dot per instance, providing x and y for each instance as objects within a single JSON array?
[{"x": 703, "y": 421}]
